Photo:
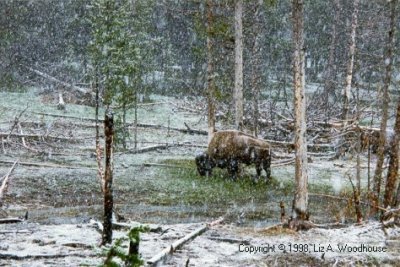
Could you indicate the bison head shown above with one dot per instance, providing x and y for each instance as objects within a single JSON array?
[{"x": 204, "y": 164}]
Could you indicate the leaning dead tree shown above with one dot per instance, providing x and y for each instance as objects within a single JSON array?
[
  {"x": 108, "y": 177},
  {"x": 300, "y": 202}
]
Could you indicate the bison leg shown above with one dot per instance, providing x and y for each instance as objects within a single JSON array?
[
  {"x": 258, "y": 169},
  {"x": 233, "y": 169},
  {"x": 267, "y": 166},
  {"x": 204, "y": 164}
]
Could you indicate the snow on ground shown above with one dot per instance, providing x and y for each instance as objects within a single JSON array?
[{"x": 29, "y": 244}]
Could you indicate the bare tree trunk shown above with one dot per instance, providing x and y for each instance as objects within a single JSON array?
[
  {"x": 210, "y": 72},
  {"x": 301, "y": 194},
  {"x": 393, "y": 171},
  {"x": 100, "y": 171},
  {"x": 357, "y": 190},
  {"x": 385, "y": 106},
  {"x": 350, "y": 63},
  {"x": 388, "y": 199},
  {"x": 238, "y": 93},
  {"x": 136, "y": 121},
  {"x": 108, "y": 177},
  {"x": 255, "y": 71},
  {"x": 124, "y": 127},
  {"x": 331, "y": 67}
]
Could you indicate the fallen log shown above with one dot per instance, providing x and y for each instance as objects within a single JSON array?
[
  {"x": 53, "y": 79},
  {"x": 15, "y": 232},
  {"x": 10, "y": 220},
  {"x": 36, "y": 164},
  {"x": 151, "y": 148},
  {"x": 38, "y": 136},
  {"x": 156, "y": 126},
  {"x": 230, "y": 240},
  {"x": 153, "y": 227},
  {"x": 45, "y": 256},
  {"x": 145, "y": 149},
  {"x": 164, "y": 165},
  {"x": 143, "y": 125},
  {"x": 163, "y": 255}
]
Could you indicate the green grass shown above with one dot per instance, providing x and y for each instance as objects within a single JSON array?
[{"x": 185, "y": 186}]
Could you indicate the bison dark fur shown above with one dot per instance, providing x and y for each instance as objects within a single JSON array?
[{"x": 229, "y": 149}]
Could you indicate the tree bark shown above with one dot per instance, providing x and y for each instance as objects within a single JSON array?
[
  {"x": 210, "y": 72},
  {"x": 385, "y": 106},
  {"x": 350, "y": 63},
  {"x": 255, "y": 71},
  {"x": 301, "y": 176},
  {"x": 238, "y": 90},
  {"x": 108, "y": 177},
  {"x": 331, "y": 67},
  {"x": 392, "y": 175},
  {"x": 100, "y": 171},
  {"x": 394, "y": 145}
]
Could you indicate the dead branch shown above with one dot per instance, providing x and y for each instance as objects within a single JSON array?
[
  {"x": 21, "y": 132},
  {"x": 5, "y": 179},
  {"x": 344, "y": 199},
  {"x": 61, "y": 103},
  {"x": 162, "y": 256},
  {"x": 282, "y": 162},
  {"x": 192, "y": 131},
  {"x": 16, "y": 121},
  {"x": 272, "y": 228},
  {"x": 389, "y": 215}
]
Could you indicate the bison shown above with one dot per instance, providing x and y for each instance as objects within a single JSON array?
[{"x": 228, "y": 149}]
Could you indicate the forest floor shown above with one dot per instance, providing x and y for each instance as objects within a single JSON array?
[{"x": 55, "y": 181}]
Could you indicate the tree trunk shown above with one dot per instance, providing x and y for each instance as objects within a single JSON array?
[
  {"x": 330, "y": 75},
  {"x": 124, "y": 127},
  {"x": 210, "y": 72},
  {"x": 136, "y": 121},
  {"x": 393, "y": 170},
  {"x": 394, "y": 145},
  {"x": 301, "y": 194},
  {"x": 255, "y": 70},
  {"x": 350, "y": 62},
  {"x": 385, "y": 106},
  {"x": 238, "y": 94},
  {"x": 108, "y": 177},
  {"x": 97, "y": 142}
]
